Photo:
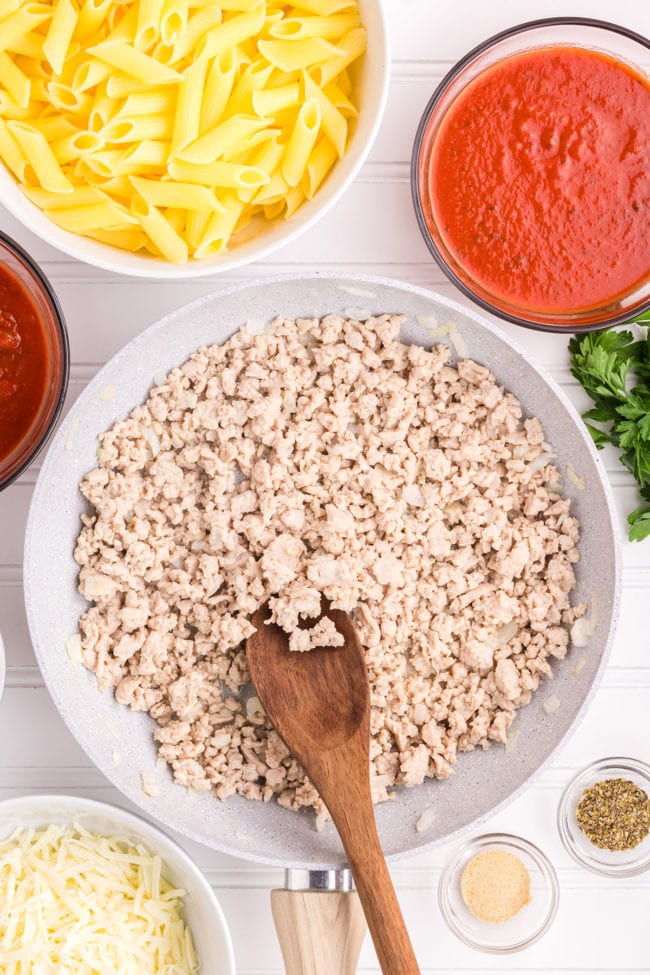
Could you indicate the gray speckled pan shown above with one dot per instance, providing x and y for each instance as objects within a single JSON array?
[{"x": 483, "y": 781}]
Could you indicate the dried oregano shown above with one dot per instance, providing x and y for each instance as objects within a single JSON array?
[{"x": 614, "y": 814}]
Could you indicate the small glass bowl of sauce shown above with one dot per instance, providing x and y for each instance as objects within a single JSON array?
[
  {"x": 530, "y": 177},
  {"x": 34, "y": 360}
]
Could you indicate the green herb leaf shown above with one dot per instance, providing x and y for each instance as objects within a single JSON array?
[
  {"x": 613, "y": 367},
  {"x": 599, "y": 437},
  {"x": 640, "y": 522}
]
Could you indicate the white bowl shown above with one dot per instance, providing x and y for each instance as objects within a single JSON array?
[
  {"x": 372, "y": 89},
  {"x": 201, "y": 908}
]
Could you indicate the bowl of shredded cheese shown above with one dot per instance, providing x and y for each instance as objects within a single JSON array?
[
  {"x": 176, "y": 139},
  {"x": 88, "y": 887}
]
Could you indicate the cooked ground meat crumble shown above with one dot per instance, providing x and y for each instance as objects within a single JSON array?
[{"x": 325, "y": 458}]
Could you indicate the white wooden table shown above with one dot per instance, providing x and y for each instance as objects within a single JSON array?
[{"x": 603, "y": 925}]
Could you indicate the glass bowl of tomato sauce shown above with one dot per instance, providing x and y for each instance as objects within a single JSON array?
[
  {"x": 34, "y": 360},
  {"x": 531, "y": 174}
]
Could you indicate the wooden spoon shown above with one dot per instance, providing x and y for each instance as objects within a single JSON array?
[{"x": 319, "y": 703}]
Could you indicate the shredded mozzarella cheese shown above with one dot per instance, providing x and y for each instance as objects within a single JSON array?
[{"x": 78, "y": 903}]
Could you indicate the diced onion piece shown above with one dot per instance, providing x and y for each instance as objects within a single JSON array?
[
  {"x": 584, "y": 628},
  {"x": 73, "y": 649},
  {"x": 426, "y": 820},
  {"x": 152, "y": 439},
  {"x": 149, "y": 785},
  {"x": 69, "y": 439},
  {"x": 413, "y": 496},
  {"x": 580, "y": 666},
  {"x": 256, "y": 327},
  {"x": 449, "y": 328},
  {"x": 357, "y": 292},
  {"x": 503, "y": 635},
  {"x": 551, "y": 704},
  {"x": 575, "y": 479},
  {"x": 511, "y": 740},
  {"x": 107, "y": 393}
]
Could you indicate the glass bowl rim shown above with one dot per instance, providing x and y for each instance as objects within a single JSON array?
[
  {"x": 633, "y": 869},
  {"x": 10, "y": 244},
  {"x": 451, "y": 75},
  {"x": 512, "y": 842}
]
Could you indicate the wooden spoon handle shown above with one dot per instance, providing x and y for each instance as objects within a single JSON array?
[
  {"x": 377, "y": 894},
  {"x": 320, "y": 932}
]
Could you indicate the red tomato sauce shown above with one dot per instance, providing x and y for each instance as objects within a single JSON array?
[
  {"x": 539, "y": 179},
  {"x": 24, "y": 361}
]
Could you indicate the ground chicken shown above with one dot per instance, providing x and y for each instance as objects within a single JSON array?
[{"x": 325, "y": 459}]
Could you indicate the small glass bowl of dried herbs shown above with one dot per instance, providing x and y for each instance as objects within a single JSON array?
[{"x": 604, "y": 817}]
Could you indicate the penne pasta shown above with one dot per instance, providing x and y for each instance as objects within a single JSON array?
[
  {"x": 28, "y": 46},
  {"x": 188, "y": 107},
  {"x": 147, "y": 156},
  {"x": 147, "y": 28},
  {"x": 155, "y": 101},
  {"x": 224, "y": 138},
  {"x": 69, "y": 100},
  {"x": 11, "y": 153},
  {"x": 328, "y": 28},
  {"x": 340, "y": 100},
  {"x": 333, "y": 122},
  {"x": 14, "y": 80},
  {"x": 231, "y": 33},
  {"x": 197, "y": 25},
  {"x": 173, "y": 21},
  {"x": 218, "y": 86},
  {"x": 221, "y": 174},
  {"x": 301, "y": 142},
  {"x": 325, "y": 8},
  {"x": 96, "y": 216},
  {"x": 80, "y": 197},
  {"x": 102, "y": 110},
  {"x": 238, "y": 4},
  {"x": 119, "y": 85},
  {"x": 55, "y": 127},
  {"x": 137, "y": 129},
  {"x": 295, "y": 197},
  {"x": 59, "y": 35},
  {"x": 253, "y": 78},
  {"x": 126, "y": 240},
  {"x": 92, "y": 16},
  {"x": 134, "y": 63},
  {"x": 14, "y": 27},
  {"x": 276, "y": 189},
  {"x": 318, "y": 166},
  {"x": 159, "y": 231},
  {"x": 295, "y": 55},
  {"x": 8, "y": 7},
  {"x": 40, "y": 157},
  {"x": 89, "y": 75},
  {"x": 168, "y": 193},
  {"x": 352, "y": 46},
  {"x": 73, "y": 146},
  {"x": 220, "y": 227},
  {"x": 195, "y": 227},
  {"x": 168, "y": 127}
]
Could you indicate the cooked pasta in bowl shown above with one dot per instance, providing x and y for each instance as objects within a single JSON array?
[{"x": 182, "y": 137}]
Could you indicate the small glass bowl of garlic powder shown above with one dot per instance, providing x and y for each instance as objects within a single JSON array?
[{"x": 499, "y": 893}]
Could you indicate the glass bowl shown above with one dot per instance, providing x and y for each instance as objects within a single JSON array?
[
  {"x": 526, "y": 927},
  {"x": 13, "y": 257},
  {"x": 610, "y": 863},
  {"x": 621, "y": 44}
]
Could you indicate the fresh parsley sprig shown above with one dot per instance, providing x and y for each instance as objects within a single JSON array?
[{"x": 614, "y": 369}]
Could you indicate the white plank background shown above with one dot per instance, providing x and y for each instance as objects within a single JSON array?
[{"x": 602, "y": 925}]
